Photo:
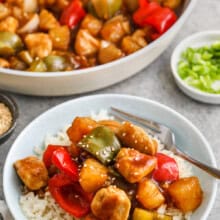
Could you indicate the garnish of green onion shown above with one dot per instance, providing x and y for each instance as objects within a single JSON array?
[{"x": 200, "y": 68}]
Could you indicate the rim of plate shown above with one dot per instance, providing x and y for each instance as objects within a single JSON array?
[
  {"x": 131, "y": 98},
  {"x": 86, "y": 71},
  {"x": 178, "y": 48}
]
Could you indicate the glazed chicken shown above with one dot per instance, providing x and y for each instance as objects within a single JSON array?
[
  {"x": 111, "y": 203},
  {"x": 32, "y": 172},
  {"x": 135, "y": 137},
  {"x": 134, "y": 165}
]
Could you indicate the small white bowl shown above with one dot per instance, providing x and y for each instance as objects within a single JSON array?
[{"x": 196, "y": 40}]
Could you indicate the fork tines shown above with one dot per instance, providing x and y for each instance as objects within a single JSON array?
[{"x": 123, "y": 116}]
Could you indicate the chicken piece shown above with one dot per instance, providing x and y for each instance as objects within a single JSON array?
[
  {"x": 186, "y": 193},
  {"x": 115, "y": 29},
  {"x": 111, "y": 203},
  {"x": 92, "y": 24},
  {"x": 38, "y": 44},
  {"x": 62, "y": 4},
  {"x": 44, "y": 3},
  {"x": 4, "y": 11},
  {"x": 4, "y": 63},
  {"x": 149, "y": 195},
  {"x": 32, "y": 172},
  {"x": 14, "y": 2},
  {"x": 9, "y": 24},
  {"x": 173, "y": 4},
  {"x": 60, "y": 37},
  {"x": 26, "y": 6},
  {"x": 86, "y": 44},
  {"x": 112, "y": 124},
  {"x": 81, "y": 126},
  {"x": 135, "y": 137},
  {"x": 47, "y": 20},
  {"x": 92, "y": 175},
  {"x": 133, "y": 165},
  {"x": 19, "y": 14},
  {"x": 90, "y": 217},
  {"x": 130, "y": 44},
  {"x": 109, "y": 53}
]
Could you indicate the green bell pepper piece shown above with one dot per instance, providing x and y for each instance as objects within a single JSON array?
[
  {"x": 10, "y": 44},
  {"x": 102, "y": 144}
]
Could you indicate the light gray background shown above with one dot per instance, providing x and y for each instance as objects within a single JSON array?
[{"x": 155, "y": 82}]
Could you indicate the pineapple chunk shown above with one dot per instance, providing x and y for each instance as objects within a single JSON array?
[
  {"x": 134, "y": 165},
  {"x": 109, "y": 53},
  {"x": 130, "y": 44},
  {"x": 4, "y": 11},
  {"x": 149, "y": 195},
  {"x": 186, "y": 193},
  {"x": 4, "y": 63},
  {"x": 9, "y": 24},
  {"x": 81, "y": 126},
  {"x": 92, "y": 24},
  {"x": 115, "y": 29},
  {"x": 38, "y": 44},
  {"x": 60, "y": 37},
  {"x": 47, "y": 20},
  {"x": 86, "y": 44},
  {"x": 93, "y": 175}
]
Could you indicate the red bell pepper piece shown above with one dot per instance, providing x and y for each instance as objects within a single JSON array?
[
  {"x": 151, "y": 13},
  {"x": 69, "y": 195},
  {"x": 63, "y": 161},
  {"x": 47, "y": 156},
  {"x": 167, "y": 169},
  {"x": 161, "y": 19},
  {"x": 144, "y": 11},
  {"x": 72, "y": 14}
]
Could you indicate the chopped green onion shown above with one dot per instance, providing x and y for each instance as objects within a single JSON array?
[{"x": 200, "y": 68}]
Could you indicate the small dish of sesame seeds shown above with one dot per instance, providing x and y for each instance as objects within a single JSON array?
[{"x": 8, "y": 116}]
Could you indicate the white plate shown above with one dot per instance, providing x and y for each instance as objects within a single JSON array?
[
  {"x": 200, "y": 39},
  {"x": 79, "y": 81},
  {"x": 187, "y": 136}
]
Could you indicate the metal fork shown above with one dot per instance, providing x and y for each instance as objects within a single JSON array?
[{"x": 165, "y": 135}]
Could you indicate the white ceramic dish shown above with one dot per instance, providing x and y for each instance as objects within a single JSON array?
[
  {"x": 195, "y": 40},
  {"x": 187, "y": 136},
  {"x": 79, "y": 81}
]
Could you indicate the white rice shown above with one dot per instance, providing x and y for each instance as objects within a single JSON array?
[{"x": 35, "y": 208}]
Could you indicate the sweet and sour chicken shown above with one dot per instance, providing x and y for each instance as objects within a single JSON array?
[
  {"x": 84, "y": 33},
  {"x": 113, "y": 171}
]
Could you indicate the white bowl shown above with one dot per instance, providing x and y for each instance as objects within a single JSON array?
[
  {"x": 196, "y": 40},
  {"x": 79, "y": 81},
  {"x": 187, "y": 135}
]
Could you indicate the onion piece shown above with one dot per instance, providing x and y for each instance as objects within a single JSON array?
[
  {"x": 31, "y": 25},
  {"x": 30, "y": 6}
]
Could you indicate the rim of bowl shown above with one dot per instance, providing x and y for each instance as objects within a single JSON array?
[
  {"x": 187, "y": 41},
  {"x": 11, "y": 104},
  {"x": 128, "y": 97},
  {"x": 180, "y": 21}
]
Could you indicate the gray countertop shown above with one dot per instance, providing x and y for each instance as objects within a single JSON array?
[{"x": 155, "y": 82}]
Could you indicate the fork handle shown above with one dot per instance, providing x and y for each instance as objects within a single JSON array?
[{"x": 211, "y": 170}]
